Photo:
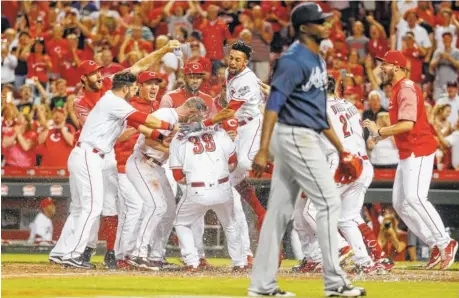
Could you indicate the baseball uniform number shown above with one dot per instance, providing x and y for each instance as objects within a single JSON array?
[
  {"x": 207, "y": 139},
  {"x": 346, "y": 131}
]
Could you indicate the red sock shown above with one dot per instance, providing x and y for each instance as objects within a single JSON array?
[
  {"x": 248, "y": 194},
  {"x": 109, "y": 226},
  {"x": 371, "y": 242}
]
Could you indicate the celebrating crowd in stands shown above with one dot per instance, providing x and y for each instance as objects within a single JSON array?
[{"x": 43, "y": 43}]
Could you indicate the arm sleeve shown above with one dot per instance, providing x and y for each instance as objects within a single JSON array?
[
  {"x": 175, "y": 158},
  {"x": 166, "y": 101},
  {"x": 121, "y": 109},
  {"x": 287, "y": 76},
  {"x": 276, "y": 100},
  {"x": 407, "y": 104}
]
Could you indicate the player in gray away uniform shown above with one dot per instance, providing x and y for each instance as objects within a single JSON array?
[{"x": 298, "y": 103}]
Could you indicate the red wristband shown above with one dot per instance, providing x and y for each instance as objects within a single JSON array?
[
  {"x": 207, "y": 122},
  {"x": 155, "y": 134},
  {"x": 166, "y": 125}
]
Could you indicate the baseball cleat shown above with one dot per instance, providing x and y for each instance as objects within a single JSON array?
[
  {"x": 369, "y": 269},
  {"x": 240, "y": 268},
  {"x": 301, "y": 265},
  {"x": 123, "y": 264},
  {"x": 191, "y": 268},
  {"x": 55, "y": 259},
  {"x": 344, "y": 254},
  {"x": 165, "y": 265},
  {"x": 448, "y": 257},
  {"x": 142, "y": 263},
  {"x": 110, "y": 260},
  {"x": 312, "y": 267},
  {"x": 435, "y": 258},
  {"x": 204, "y": 264},
  {"x": 88, "y": 253},
  {"x": 277, "y": 292},
  {"x": 77, "y": 263},
  {"x": 346, "y": 291},
  {"x": 387, "y": 263}
]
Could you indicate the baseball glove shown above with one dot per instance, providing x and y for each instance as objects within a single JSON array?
[{"x": 349, "y": 169}]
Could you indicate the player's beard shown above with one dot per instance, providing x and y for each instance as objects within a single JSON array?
[
  {"x": 95, "y": 86},
  {"x": 387, "y": 76}
]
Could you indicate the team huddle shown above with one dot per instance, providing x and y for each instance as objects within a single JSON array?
[
  {"x": 133, "y": 154},
  {"x": 130, "y": 158}
]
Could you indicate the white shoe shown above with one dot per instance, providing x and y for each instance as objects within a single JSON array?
[
  {"x": 346, "y": 291},
  {"x": 277, "y": 292}
]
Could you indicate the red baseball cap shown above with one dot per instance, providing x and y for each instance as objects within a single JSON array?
[
  {"x": 88, "y": 66},
  {"x": 394, "y": 57},
  {"x": 46, "y": 202},
  {"x": 193, "y": 67},
  {"x": 148, "y": 75}
]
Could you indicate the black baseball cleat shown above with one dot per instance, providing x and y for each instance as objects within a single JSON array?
[
  {"x": 55, "y": 259},
  {"x": 88, "y": 253},
  {"x": 277, "y": 293},
  {"x": 77, "y": 263},
  {"x": 110, "y": 260},
  {"x": 346, "y": 291}
]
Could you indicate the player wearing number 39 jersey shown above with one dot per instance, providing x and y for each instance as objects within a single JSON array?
[{"x": 203, "y": 162}]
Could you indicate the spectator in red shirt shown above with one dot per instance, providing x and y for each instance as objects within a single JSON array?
[
  {"x": 58, "y": 140},
  {"x": 214, "y": 35},
  {"x": 414, "y": 54},
  {"x": 39, "y": 63},
  {"x": 378, "y": 44},
  {"x": 135, "y": 42},
  {"x": 55, "y": 47},
  {"x": 340, "y": 45},
  {"x": 109, "y": 67},
  {"x": 355, "y": 68},
  {"x": 425, "y": 12},
  {"x": 70, "y": 60},
  {"x": 278, "y": 16},
  {"x": 19, "y": 148}
]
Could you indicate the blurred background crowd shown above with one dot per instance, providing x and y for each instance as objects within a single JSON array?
[{"x": 43, "y": 42}]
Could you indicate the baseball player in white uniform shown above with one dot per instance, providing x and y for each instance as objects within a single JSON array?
[
  {"x": 144, "y": 170},
  {"x": 203, "y": 162},
  {"x": 41, "y": 229},
  {"x": 244, "y": 97},
  {"x": 105, "y": 123}
]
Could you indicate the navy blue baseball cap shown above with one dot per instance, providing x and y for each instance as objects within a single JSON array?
[{"x": 308, "y": 13}]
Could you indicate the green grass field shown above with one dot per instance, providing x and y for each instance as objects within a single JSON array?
[{"x": 44, "y": 280}]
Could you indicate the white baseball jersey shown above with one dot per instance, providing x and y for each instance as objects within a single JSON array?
[
  {"x": 41, "y": 228},
  {"x": 106, "y": 122},
  {"x": 202, "y": 156},
  {"x": 165, "y": 114},
  {"x": 346, "y": 121},
  {"x": 244, "y": 87}
]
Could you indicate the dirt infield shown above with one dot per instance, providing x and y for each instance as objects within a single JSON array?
[{"x": 33, "y": 270}]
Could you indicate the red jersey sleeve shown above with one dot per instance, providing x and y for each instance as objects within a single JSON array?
[{"x": 407, "y": 104}]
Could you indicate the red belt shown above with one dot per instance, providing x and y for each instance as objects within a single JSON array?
[
  {"x": 156, "y": 162},
  {"x": 244, "y": 122},
  {"x": 94, "y": 150},
  {"x": 202, "y": 184}
]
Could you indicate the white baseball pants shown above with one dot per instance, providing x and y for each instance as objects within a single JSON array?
[
  {"x": 153, "y": 187},
  {"x": 130, "y": 206},
  {"x": 409, "y": 197}
]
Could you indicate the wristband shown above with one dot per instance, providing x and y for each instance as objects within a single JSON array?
[
  {"x": 166, "y": 125},
  {"x": 379, "y": 134},
  {"x": 207, "y": 123}
]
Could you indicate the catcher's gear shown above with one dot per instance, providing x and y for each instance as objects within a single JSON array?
[{"x": 349, "y": 169}]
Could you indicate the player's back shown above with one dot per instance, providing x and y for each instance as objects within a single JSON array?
[
  {"x": 106, "y": 122},
  {"x": 347, "y": 123},
  {"x": 205, "y": 156},
  {"x": 244, "y": 87}
]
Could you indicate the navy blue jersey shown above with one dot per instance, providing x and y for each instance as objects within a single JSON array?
[{"x": 301, "y": 76}]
